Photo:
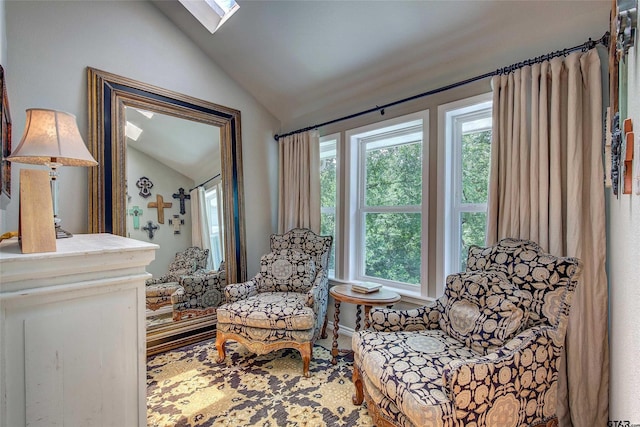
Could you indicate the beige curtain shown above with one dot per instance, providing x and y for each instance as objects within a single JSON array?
[
  {"x": 546, "y": 184},
  {"x": 299, "y": 188},
  {"x": 199, "y": 221}
]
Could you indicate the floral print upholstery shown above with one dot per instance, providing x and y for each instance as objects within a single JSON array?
[
  {"x": 270, "y": 310},
  {"x": 200, "y": 294},
  {"x": 419, "y": 368},
  {"x": 416, "y": 319},
  {"x": 546, "y": 277},
  {"x": 188, "y": 286},
  {"x": 267, "y": 336},
  {"x": 483, "y": 309},
  {"x": 285, "y": 304},
  {"x": 407, "y": 368},
  {"x": 285, "y": 270},
  {"x": 300, "y": 239},
  {"x": 158, "y": 295}
]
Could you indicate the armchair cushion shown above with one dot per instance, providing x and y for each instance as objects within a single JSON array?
[
  {"x": 415, "y": 319},
  {"x": 270, "y": 310},
  {"x": 544, "y": 276},
  {"x": 407, "y": 368},
  {"x": 239, "y": 291},
  {"x": 286, "y": 270},
  {"x": 160, "y": 294},
  {"x": 483, "y": 309}
]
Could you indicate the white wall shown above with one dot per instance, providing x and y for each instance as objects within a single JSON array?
[
  {"x": 49, "y": 46},
  {"x": 624, "y": 284}
]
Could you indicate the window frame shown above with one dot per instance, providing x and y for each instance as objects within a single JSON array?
[
  {"x": 451, "y": 116},
  {"x": 336, "y": 248},
  {"x": 209, "y": 191},
  {"x": 353, "y": 259}
]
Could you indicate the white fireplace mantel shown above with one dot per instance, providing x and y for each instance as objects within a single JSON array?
[{"x": 72, "y": 333}]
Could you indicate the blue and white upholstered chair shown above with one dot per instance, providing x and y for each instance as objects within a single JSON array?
[
  {"x": 486, "y": 353},
  {"x": 285, "y": 304}
]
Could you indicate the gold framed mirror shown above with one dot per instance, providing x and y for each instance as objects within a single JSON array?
[{"x": 113, "y": 100}]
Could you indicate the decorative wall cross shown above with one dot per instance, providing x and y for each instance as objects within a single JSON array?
[
  {"x": 176, "y": 222},
  {"x": 144, "y": 184},
  {"x": 160, "y": 205},
  {"x": 150, "y": 228},
  {"x": 180, "y": 195},
  {"x": 136, "y": 212}
]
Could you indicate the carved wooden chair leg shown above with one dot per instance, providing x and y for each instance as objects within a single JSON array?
[
  {"x": 220, "y": 341},
  {"x": 323, "y": 334},
  {"x": 358, "y": 396},
  {"x": 306, "y": 351}
]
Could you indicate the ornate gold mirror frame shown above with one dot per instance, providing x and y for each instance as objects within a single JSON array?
[{"x": 108, "y": 96}]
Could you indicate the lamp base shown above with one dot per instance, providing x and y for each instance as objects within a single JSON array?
[{"x": 62, "y": 234}]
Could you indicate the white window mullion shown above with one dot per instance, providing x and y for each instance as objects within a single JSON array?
[{"x": 457, "y": 120}]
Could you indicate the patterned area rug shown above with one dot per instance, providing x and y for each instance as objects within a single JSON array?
[{"x": 186, "y": 387}]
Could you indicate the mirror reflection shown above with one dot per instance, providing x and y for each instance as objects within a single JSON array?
[
  {"x": 187, "y": 178},
  {"x": 174, "y": 199}
]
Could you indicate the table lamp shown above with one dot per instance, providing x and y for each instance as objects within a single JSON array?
[{"x": 52, "y": 138}]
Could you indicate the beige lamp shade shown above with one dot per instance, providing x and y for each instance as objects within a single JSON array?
[{"x": 51, "y": 136}]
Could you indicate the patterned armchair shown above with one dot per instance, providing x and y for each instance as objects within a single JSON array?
[
  {"x": 200, "y": 293},
  {"x": 188, "y": 287},
  {"x": 484, "y": 354},
  {"x": 285, "y": 304}
]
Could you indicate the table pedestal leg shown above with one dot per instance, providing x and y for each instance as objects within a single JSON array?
[
  {"x": 336, "y": 321},
  {"x": 358, "y": 316}
]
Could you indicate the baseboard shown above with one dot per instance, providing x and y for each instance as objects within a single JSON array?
[{"x": 344, "y": 330}]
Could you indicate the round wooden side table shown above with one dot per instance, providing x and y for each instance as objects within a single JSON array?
[{"x": 344, "y": 293}]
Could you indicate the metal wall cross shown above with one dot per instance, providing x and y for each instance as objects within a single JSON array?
[
  {"x": 150, "y": 228},
  {"x": 182, "y": 196},
  {"x": 160, "y": 205},
  {"x": 144, "y": 184},
  {"x": 136, "y": 212}
]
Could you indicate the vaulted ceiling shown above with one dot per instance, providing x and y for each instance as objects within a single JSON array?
[{"x": 299, "y": 58}]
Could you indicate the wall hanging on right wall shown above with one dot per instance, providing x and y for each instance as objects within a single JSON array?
[{"x": 619, "y": 141}]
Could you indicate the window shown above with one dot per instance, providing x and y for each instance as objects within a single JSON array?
[
  {"x": 465, "y": 178},
  {"x": 211, "y": 13},
  {"x": 329, "y": 192},
  {"x": 387, "y": 221},
  {"x": 213, "y": 198}
]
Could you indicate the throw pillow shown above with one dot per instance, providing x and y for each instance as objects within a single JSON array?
[
  {"x": 483, "y": 309},
  {"x": 286, "y": 270},
  {"x": 545, "y": 277}
]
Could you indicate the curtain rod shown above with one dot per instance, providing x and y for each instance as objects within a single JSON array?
[
  {"x": 589, "y": 44},
  {"x": 200, "y": 185}
]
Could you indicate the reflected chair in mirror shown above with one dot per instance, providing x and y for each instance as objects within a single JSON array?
[
  {"x": 188, "y": 287},
  {"x": 285, "y": 304},
  {"x": 200, "y": 293}
]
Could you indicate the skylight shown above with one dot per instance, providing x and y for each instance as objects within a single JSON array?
[
  {"x": 132, "y": 131},
  {"x": 211, "y": 13}
]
